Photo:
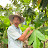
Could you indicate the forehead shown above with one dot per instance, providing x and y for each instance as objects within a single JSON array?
[{"x": 16, "y": 17}]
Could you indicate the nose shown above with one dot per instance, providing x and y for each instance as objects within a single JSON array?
[{"x": 16, "y": 21}]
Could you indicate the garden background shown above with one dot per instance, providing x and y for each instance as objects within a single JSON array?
[{"x": 35, "y": 13}]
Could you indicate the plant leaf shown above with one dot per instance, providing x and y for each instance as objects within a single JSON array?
[
  {"x": 40, "y": 35},
  {"x": 31, "y": 39}
]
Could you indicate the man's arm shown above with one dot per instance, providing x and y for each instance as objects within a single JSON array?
[
  {"x": 24, "y": 34},
  {"x": 23, "y": 38},
  {"x": 28, "y": 34}
]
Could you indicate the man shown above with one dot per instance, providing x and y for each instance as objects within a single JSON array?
[{"x": 15, "y": 36}]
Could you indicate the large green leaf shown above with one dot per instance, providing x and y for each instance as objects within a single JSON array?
[
  {"x": 36, "y": 43},
  {"x": 40, "y": 35},
  {"x": 31, "y": 39},
  {"x": 35, "y": 38}
]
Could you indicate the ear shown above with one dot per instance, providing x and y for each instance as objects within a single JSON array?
[{"x": 11, "y": 23}]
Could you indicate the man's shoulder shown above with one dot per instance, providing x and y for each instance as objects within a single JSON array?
[{"x": 10, "y": 27}]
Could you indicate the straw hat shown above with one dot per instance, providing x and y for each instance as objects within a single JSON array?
[{"x": 17, "y": 15}]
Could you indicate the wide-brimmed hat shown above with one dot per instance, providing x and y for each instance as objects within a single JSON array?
[{"x": 17, "y": 15}]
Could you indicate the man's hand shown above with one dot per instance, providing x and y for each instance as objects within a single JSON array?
[
  {"x": 28, "y": 34},
  {"x": 31, "y": 31},
  {"x": 24, "y": 36},
  {"x": 28, "y": 29}
]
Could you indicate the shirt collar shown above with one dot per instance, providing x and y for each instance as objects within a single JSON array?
[{"x": 15, "y": 27}]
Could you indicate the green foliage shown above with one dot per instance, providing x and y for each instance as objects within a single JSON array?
[
  {"x": 23, "y": 28},
  {"x": 31, "y": 39},
  {"x": 4, "y": 23},
  {"x": 41, "y": 45},
  {"x": 26, "y": 1},
  {"x": 28, "y": 12},
  {"x": 5, "y": 41},
  {"x": 43, "y": 30},
  {"x": 39, "y": 20},
  {"x": 40, "y": 35},
  {"x": 34, "y": 2},
  {"x": 36, "y": 43},
  {"x": 43, "y": 4},
  {"x": 36, "y": 36}
]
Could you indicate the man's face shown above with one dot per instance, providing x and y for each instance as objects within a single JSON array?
[{"x": 16, "y": 21}]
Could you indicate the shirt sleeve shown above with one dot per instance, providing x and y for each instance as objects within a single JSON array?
[
  {"x": 13, "y": 33},
  {"x": 20, "y": 31}
]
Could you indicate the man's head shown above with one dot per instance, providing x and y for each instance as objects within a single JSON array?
[{"x": 16, "y": 21}]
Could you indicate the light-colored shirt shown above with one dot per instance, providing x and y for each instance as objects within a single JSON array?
[{"x": 13, "y": 34}]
